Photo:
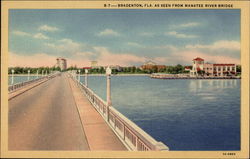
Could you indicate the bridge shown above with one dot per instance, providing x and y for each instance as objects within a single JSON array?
[{"x": 58, "y": 112}]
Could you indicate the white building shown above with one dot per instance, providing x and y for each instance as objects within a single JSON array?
[
  {"x": 207, "y": 69},
  {"x": 224, "y": 70},
  {"x": 198, "y": 65},
  {"x": 62, "y": 63}
]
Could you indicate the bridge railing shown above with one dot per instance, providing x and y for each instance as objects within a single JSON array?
[
  {"x": 128, "y": 132},
  {"x": 14, "y": 87}
]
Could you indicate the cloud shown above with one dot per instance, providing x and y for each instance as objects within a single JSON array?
[
  {"x": 40, "y": 36},
  {"x": 186, "y": 25},
  {"x": 67, "y": 46},
  {"x": 21, "y": 33},
  {"x": 48, "y": 28},
  {"x": 147, "y": 34},
  {"x": 125, "y": 59},
  {"x": 186, "y": 56},
  {"x": 36, "y": 36},
  {"x": 161, "y": 60},
  {"x": 108, "y": 32},
  {"x": 223, "y": 44},
  {"x": 34, "y": 60},
  {"x": 210, "y": 58},
  {"x": 42, "y": 60},
  {"x": 134, "y": 44},
  {"x": 80, "y": 59},
  {"x": 179, "y": 35}
]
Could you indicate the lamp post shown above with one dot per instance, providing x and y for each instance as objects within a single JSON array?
[
  {"x": 28, "y": 75},
  {"x": 86, "y": 77},
  {"x": 12, "y": 79},
  {"x": 108, "y": 74},
  {"x": 79, "y": 71}
]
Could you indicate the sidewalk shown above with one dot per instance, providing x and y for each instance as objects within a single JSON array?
[{"x": 99, "y": 135}]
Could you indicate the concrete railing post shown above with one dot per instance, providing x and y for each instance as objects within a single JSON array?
[
  {"x": 12, "y": 79},
  {"x": 86, "y": 77},
  {"x": 79, "y": 71},
  {"x": 28, "y": 75},
  {"x": 109, "y": 103}
]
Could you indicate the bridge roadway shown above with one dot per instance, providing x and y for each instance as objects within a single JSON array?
[{"x": 46, "y": 118}]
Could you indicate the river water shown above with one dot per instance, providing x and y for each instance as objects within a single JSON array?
[
  {"x": 20, "y": 78},
  {"x": 183, "y": 114}
]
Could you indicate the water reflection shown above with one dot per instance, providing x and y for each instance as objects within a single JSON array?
[{"x": 198, "y": 85}]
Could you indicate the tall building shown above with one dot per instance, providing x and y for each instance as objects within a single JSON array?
[
  {"x": 62, "y": 63},
  {"x": 94, "y": 64}
]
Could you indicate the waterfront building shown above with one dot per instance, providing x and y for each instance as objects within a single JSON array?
[
  {"x": 198, "y": 65},
  {"x": 224, "y": 69},
  {"x": 208, "y": 69},
  {"x": 149, "y": 65},
  {"x": 62, "y": 63}
]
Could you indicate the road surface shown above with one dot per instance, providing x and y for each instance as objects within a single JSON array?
[{"x": 46, "y": 118}]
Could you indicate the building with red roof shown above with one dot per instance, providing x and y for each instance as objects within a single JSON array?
[
  {"x": 206, "y": 69},
  {"x": 198, "y": 59},
  {"x": 198, "y": 65}
]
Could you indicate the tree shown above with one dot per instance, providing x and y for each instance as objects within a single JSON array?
[
  {"x": 133, "y": 69},
  {"x": 102, "y": 70},
  {"x": 179, "y": 68},
  {"x": 114, "y": 71},
  {"x": 170, "y": 69},
  {"x": 238, "y": 68},
  {"x": 138, "y": 70}
]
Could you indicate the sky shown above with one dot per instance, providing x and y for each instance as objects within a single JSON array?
[{"x": 127, "y": 37}]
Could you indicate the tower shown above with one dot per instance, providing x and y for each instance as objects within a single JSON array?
[{"x": 198, "y": 65}]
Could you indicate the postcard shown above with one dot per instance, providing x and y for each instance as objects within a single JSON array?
[{"x": 125, "y": 79}]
